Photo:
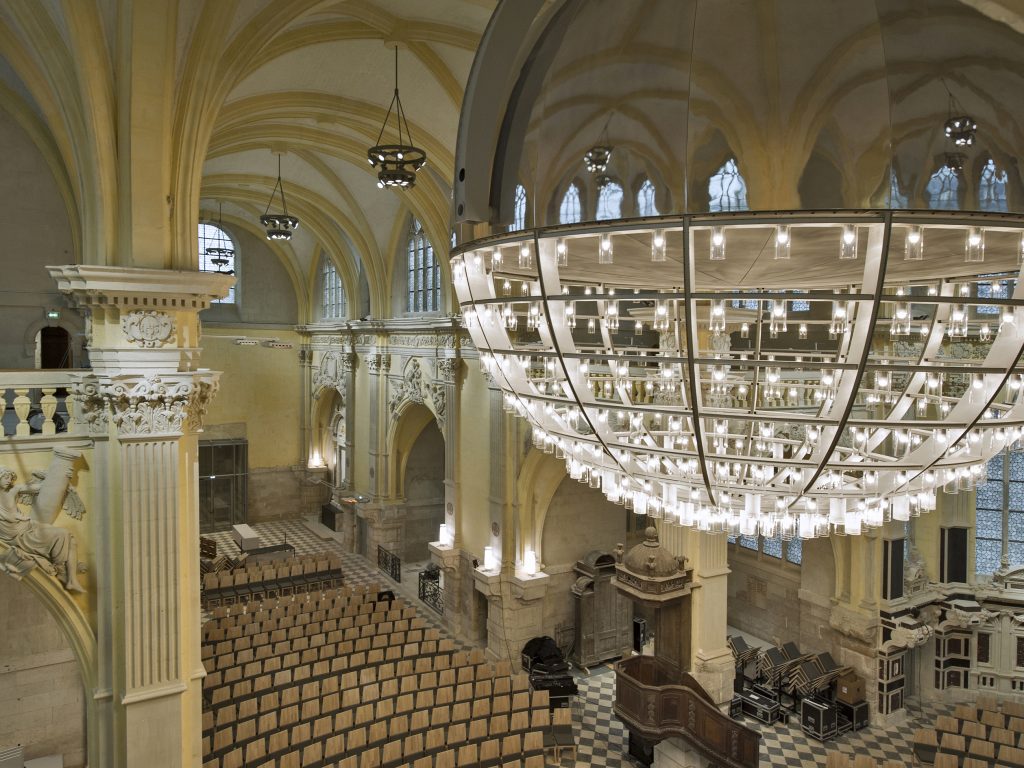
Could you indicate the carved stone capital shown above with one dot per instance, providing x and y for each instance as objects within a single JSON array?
[
  {"x": 148, "y": 328},
  {"x": 447, "y": 369},
  {"x": 151, "y": 405},
  {"x": 378, "y": 363}
]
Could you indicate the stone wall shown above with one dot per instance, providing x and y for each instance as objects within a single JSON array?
[
  {"x": 764, "y": 596},
  {"x": 42, "y": 704}
]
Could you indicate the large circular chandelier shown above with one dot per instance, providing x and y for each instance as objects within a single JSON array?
[{"x": 684, "y": 397}]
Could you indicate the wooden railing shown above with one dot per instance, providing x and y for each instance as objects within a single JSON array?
[{"x": 656, "y": 704}]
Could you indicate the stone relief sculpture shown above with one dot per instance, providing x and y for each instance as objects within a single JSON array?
[{"x": 32, "y": 537}]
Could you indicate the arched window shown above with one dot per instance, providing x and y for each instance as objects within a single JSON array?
[
  {"x": 519, "y": 209},
  {"x": 332, "y": 292},
  {"x": 944, "y": 190},
  {"x": 217, "y": 254},
  {"x": 570, "y": 212},
  {"x": 424, "y": 272},
  {"x": 727, "y": 190},
  {"x": 609, "y": 201},
  {"x": 992, "y": 188},
  {"x": 645, "y": 200}
]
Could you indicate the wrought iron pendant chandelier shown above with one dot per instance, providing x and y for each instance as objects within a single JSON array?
[
  {"x": 396, "y": 164},
  {"x": 221, "y": 254},
  {"x": 279, "y": 226}
]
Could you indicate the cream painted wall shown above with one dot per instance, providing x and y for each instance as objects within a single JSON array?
[
  {"x": 473, "y": 468},
  {"x": 36, "y": 230}
]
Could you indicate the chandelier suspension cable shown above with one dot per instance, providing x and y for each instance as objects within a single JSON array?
[{"x": 278, "y": 186}]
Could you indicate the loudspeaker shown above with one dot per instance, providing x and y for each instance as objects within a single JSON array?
[{"x": 639, "y": 634}]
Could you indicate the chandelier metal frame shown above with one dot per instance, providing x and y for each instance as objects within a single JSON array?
[
  {"x": 396, "y": 164},
  {"x": 635, "y": 385},
  {"x": 279, "y": 226}
]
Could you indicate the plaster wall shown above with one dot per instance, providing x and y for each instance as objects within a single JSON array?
[
  {"x": 42, "y": 704},
  {"x": 260, "y": 400},
  {"x": 37, "y": 232}
]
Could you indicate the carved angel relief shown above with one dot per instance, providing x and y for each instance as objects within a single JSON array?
[
  {"x": 413, "y": 388},
  {"x": 32, "y": 538},
  {"x": 148, "y": 329}
]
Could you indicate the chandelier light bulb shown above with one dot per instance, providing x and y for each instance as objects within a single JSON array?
[
  {"x": 525, "y": 257},
  {"x": 561, "y": 253},
  {"x": 604, "y": 251}
]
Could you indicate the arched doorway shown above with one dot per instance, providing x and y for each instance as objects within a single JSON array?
[
  {"x": 423, "y": 489},
  {"x": 53, "y": 348}
]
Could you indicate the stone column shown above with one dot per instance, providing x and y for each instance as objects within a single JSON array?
[
  {"x": 713, "y": 665},
  {"x": 378, "y": 364},
  {"x": 448, "y": 398},
  {"x": 144, "y": 402}
]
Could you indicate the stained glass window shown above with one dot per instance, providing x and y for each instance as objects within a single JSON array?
[
  {"x": 645, "y": 200},
  {"x": 795, "y": 551},
  {"x": 212, "y": 236},
  {"x": 772, "y": 547},
  {"x": 1002, "y": 494},
  {"x": 750, "y": 542},
  {"x": 944, "y": 190},
  {"x": 992, "y": 188},
  {"x": 424, "y": 272},
  {"x": 998, "y": 289},
  {"x": 727, "y": 190},
  {"x": 752, "y": 304},
  {"x": 519, "y": 209},
  {"x": 332, "y": 296},
  {"x": 570, "y": 212},
  {"x": 609, "y": 201}
]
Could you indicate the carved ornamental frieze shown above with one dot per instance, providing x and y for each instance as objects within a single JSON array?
[
  {"x": 333, "y": 371},
  {"x": 414, "y": 387},
  {"x": 152, "y": 405},
  {"x": 148, "y": 329}
]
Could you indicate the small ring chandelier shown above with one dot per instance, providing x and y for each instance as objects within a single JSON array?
[
  {"x": 396, "y": 164},
  {"x": 279, "y": 226},
  {"x": 221, "y": 254}
]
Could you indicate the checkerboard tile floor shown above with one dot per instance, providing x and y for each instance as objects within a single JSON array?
[{"x": 601, "y": 739}]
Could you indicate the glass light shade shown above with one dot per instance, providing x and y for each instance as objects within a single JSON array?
[
  {"x": 658, "y": 245},
  {"x": 604, "y": 250},
  {"x": 848, "y": 242},
  {"x": 913, "y": 247},
  {"x": 717, "y": 244},
  {"x": 783, "y": 241},
  {"x": 974, "y": 245}
]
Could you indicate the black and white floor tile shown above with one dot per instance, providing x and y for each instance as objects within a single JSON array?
[{"x": 601, "y": 738}]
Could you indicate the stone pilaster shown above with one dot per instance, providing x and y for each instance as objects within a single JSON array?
[
  {"x": 144, "y": 403},
  {"x": 448, "y": 375},
  {"x": 378, "y": 364}
]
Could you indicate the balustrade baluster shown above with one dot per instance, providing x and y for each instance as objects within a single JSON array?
[
  {"x": 48, "y": 405},
  {"x": 22, "y": 405}
]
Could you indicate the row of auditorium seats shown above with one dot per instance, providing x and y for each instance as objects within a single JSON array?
[
  {"x": 338, "y": 678},
  {"x": 279, "y": 577},
  {"x": 982, "y": 735}
]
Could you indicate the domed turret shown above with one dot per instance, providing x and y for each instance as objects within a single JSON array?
[{"x": 650, "y": 572}]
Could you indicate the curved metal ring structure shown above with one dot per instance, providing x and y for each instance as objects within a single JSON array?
[{"x": 782, "y": 373}]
